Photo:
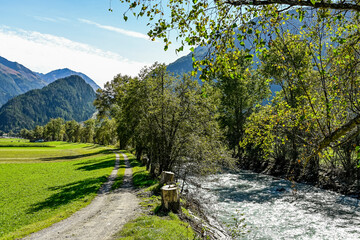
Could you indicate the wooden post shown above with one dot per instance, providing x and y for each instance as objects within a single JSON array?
[
  {"x": 167, "y": 178},
  {"x": 170, "y": 200}
]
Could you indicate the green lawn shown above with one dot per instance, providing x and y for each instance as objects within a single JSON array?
[{"x": 40, "y": 185}]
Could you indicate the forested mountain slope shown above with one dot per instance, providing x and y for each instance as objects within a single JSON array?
[{"x": 69, "y": 98}]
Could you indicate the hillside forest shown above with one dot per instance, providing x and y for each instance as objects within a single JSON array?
[{"x": 308, "y": 131}]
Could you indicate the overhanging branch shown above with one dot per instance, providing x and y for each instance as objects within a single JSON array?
[
  {"x": 338, "y": 5},
  {"x": 336, "y": 135}
]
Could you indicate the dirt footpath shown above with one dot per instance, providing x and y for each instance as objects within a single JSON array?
[{"x": 103, "y": 217}]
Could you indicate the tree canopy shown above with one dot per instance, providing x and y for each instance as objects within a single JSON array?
[
  {"x": 171, "y": 119},
  {"x": 328, "y": 32}
]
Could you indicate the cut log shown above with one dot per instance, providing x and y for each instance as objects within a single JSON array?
[
  {"x": 167, "y": 178},
  {"x": 170, "y": 199}
]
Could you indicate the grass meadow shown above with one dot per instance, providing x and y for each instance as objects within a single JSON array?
[{"x": 43, "y": 183}]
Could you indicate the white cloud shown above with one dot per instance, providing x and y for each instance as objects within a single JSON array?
[
  {"x": 45, "y": 19},
  {"x": 117, "y": 30},
  {"x": 44, "y": 52},
  {"x": 51, "y": 19}
]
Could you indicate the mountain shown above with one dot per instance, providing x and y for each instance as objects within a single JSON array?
[
  {"x": 16, "y": 79},
  {"x": 65, "y": 72},
  {"x": 68, "y": 98},
  {"x": 184, "y": 64}
]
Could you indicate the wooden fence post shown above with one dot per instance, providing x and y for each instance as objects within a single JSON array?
[
  {"x": 170, "y": 195},
  {"x": 170, "y": 199},
  {"x": 167, "y": 178}
]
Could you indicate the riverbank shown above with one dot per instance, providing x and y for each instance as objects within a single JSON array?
[{"x": 333, "y": 179}]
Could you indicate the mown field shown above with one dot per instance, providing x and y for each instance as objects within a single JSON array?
[{"x": 43, "y": 183}]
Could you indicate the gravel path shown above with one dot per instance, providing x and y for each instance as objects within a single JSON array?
[{"x": 103, "y": 217}]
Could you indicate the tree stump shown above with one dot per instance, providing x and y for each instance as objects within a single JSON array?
[
  {"x": 170, "y": 199},
  {"x": 167, "y": 178}
]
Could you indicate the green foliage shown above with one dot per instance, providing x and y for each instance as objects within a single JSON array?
[
  {"x": 315, "y": 114},
  {"x": 310, "y": 51},
  {"x": 241, "y": 91},
  {"x": 225, "y": 25},
  {"x": 106, "y": 132},
  {"x": 49, "y": 185},
  {"x": 72, "y": 131},
  {"x": 68, "y": 98},
  {"x": 237, "y": 227},
  {"x": 54, "y": 130},
  {"x": 172, "y": 119},
  {"x": 88, "y": 131},
  {"x": 91, "y": 131}
]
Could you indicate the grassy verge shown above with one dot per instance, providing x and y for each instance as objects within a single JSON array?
[
  {"x": 43, "y": 185},
  {"x": 121, "y": 172},
  {"x": 155, "y": 227},
  {"x": 153, "y": 224}
]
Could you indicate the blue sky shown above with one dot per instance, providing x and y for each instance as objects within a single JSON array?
[{"x": 82, "y": 35}]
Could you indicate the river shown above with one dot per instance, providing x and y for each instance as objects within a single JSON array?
[{"x": 274, "y": 208}]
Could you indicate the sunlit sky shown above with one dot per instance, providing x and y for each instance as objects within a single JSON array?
[{"x": 82, "y": 35}]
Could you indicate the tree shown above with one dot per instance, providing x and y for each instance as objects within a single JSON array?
[
  {"x": 88, "y": 131},
  {"x": 24, "y": 133},
  {"x": 176, "y": 121},
  {"x": 106, "y": 133},
  {"x": 123, "y": 99},
  {"x": 38, "y": 132},
  {"x": 72, "y": 131},
  {"x": 241, "y": 90},
  {"x": 318, "y": 99},
  {"x": 54, "y": 130},
  {"x": 219, "y": 23}
]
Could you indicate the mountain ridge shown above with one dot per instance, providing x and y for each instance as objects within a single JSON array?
[
  {"x": 70, "y": 98},
  {"x": 66, "y": 72},
  {"x": 16, "y": 79}
]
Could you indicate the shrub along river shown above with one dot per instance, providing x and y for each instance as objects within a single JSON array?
[{"x": 274, "y": 208}]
